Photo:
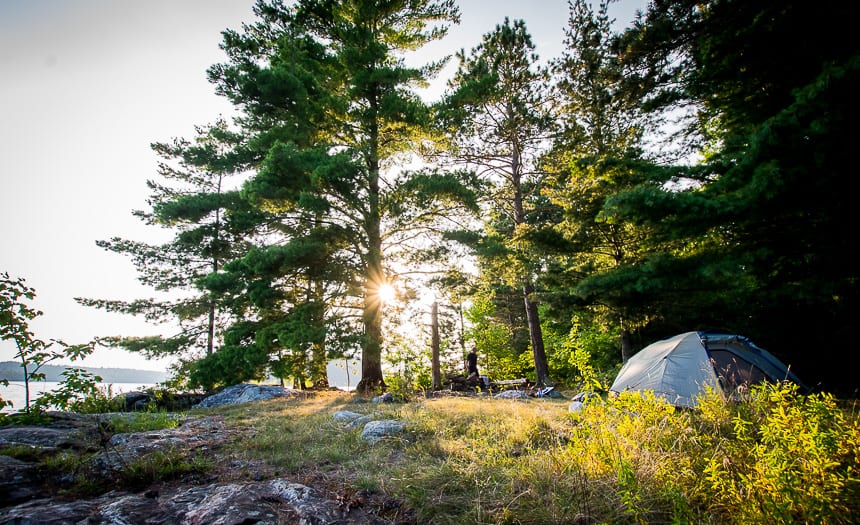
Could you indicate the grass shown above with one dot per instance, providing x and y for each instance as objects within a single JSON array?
[
  {"x": 142, "y": 421},
  {"x": 160, "y": 466},
  {"x": 776, "y": 457},
  {"x": 628, "y": 460},
  {"x": 72, "y": 474}
]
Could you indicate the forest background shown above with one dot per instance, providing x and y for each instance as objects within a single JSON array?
[{"x": 688, "y": 173}]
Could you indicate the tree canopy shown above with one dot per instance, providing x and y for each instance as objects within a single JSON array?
[{"x": 690, "y": 171}]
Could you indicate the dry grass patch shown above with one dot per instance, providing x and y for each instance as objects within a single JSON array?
[{"x": 482, "y": 460}]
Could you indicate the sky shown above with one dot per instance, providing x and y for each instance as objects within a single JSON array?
[{"x": 85, "y": 87}]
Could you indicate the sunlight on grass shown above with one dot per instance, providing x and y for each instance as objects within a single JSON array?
[{"x": 633, "y": 459}]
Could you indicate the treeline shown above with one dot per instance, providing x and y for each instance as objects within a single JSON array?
[
  {"x": 692, "y": 171},
  {"x": 12, "y": 371}
]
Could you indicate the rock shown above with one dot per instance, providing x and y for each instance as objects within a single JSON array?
[
  {"x": 387, "y": 397},
  {"x": 32, "y": 493},
  {"x": 579, "y": 400},
  {"x": 20, "y": 480},
  {"x": 48, "y": 512},
  {"x": 181, "y": 401},
  {"x": 42, "y": 437},
  {"x": 246, "y": 393},
  {"x": 376, "y": 430},
  {"x": 353, "y": 419},
  {"x": 274, "y": 501},
  {"x": 192, "y": 435},
  {"x": 266, "y": 502},
  {"x": 512, "y": 394},
  {"x": 137, "y": 400},
  {"x": 108, "y": 418},
  {"x": 103, "y": 457},
  {"x": 345, "y": 416},
  {"x": 358, "y": 422}
]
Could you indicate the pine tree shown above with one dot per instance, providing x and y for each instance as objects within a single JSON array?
[
  {"x": 597, "y": 154},
  {"x": 764, "y": 233},
  {"x": 212, "y": 225},
  {"x": 329, "y": 111},
  {"x": 499, "y": 113}
]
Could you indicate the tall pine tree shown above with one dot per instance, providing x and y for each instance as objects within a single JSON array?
[
  {"x": 765, "y": 231},
  {"x": 597, "y": 154},
  {"x": 212, "y": 226},
  {"x": 499, "y": 114},
  {"x": 328, "y": 79}
]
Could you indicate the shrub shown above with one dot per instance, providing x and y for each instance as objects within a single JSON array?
[
  {"x": 400, "y": 389},
  {"x": 639, "y": 448},
  {"x": 788, "y": 459},
  {"x": 34, "y": 353},
  {"x": 79, "y": 392}
]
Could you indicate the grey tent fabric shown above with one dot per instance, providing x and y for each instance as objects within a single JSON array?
[{"x": 680, "y": 368}]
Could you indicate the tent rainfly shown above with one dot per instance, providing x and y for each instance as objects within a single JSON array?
[{"x": 680, "y": 368}]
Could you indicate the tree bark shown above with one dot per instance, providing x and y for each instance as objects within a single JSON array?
[
  {"x": 532, "y": 316},
  {"x": 536, "y": 338},
  {"x": 626, "y": 344},
  {"x": 371, "y": 356},
  {"x": 437, "y": 375}
]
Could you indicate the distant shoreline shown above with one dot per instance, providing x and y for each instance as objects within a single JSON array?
[
  {"x": 12, "y": 371},
  {"x": 16, "y": 391}
]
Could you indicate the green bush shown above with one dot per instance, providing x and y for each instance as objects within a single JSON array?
[
  {"x": 776, "y": 457},
  {"x": 400, "y": 388},
  {"x": 788, "y": 458},
  {"x": 79, "y": 392},
  {"x": 640, "y": 449}
]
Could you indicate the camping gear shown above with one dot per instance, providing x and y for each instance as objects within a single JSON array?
[
  {"x": 579, "y": 400},
  {"x": 680, "y": 368}
]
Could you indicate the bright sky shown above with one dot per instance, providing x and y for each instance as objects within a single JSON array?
[{"x": 85, "y": 87}]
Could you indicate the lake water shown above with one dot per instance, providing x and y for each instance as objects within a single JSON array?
[
  {"x": 16, "y": 393},
  {"x": 343, "y": 374}
]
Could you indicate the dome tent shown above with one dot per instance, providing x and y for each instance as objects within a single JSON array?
[{"x": 680, "y": 368}]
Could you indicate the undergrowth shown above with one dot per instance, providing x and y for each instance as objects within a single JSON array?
[
  {"x": 162, "y": 465},
  {"x": 776, "y": 457},
  {"x": 143, "y": 421}
]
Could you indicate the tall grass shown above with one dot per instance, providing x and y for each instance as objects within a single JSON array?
[{"x": 776, "y": 457}]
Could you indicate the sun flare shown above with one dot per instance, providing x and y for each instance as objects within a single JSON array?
[{"x": 386, "y": 293}]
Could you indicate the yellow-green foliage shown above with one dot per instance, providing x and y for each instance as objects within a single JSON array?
[
  {"x": 641, "y": 451},
  {"x": 788, "y": 459},
  {"x": 776, "y": 457},
  {"x": 399, "y": 387}
]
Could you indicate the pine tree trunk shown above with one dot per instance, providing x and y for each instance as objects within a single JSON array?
[
  {"x": 437, "y": 375},
  {"x": 536, "y": 337},
  {"x": 210, "y": 329},
  {"x": 319, "y": 362},
  {"x": 371, "y": 356},
  {"x": 626, "y": 344}
]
